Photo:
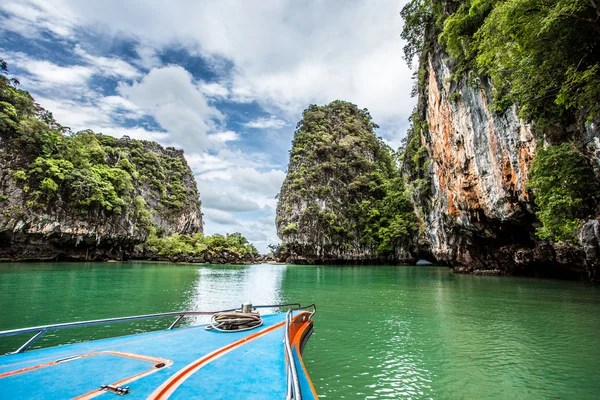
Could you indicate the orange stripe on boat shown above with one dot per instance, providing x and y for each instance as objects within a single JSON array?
[
  {"x": 66, "y": 355},
  {"x": 165, "y": 390},
  {"x": 76, "y": 357},
  {"x": 23, "y": 370}
]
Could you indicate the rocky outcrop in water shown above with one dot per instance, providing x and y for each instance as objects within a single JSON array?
[
  {"x": 476, "y": 209},
  {"x": 59, "y": 228},
  {"x": 232, "y": 248},
  {"x": 343, "y": 200},
  {"x": 218, "y": 257}
]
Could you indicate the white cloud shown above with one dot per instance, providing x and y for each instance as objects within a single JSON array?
[
  {"x": 97, "y": 117},
  {"x": 262, "y": 233},
  {"x": 256, "y": 236},
  {"x": 286, "y": 55},
  {"x": 136, "y": 132},
  {"x": 170, "y": 95},
  {"x": 70, "y": 81},
  {"x": 218, "y": 216},
  {"x": 394, "y": 133},
  {"x": 224, "y": 159},
  {"x": 75, "y": 115},
  {"x": 49, "y": 75},
  {"x": 32, "y": 17},
  {"x": 214, "y": 90},
  {"x": 44, "y": 75},
  {"x": 118, "y": 107},
  {"x": 227, "y": 199},
  {"x": 226, "y": 136},
  {"x": 265, "y": 123},
  {"x": 147, "y": 56},
  {"x": 266, "y": 183},
  {"x": 108, "y": 66},
  {"x": 203, "y": 162},
  {"x": 263, "y": 185}
]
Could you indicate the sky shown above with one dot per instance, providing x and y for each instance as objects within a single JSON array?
[{"x": 224, "y": 80}]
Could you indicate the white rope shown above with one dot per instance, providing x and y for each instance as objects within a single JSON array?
[{"x": 234, "y": 321}]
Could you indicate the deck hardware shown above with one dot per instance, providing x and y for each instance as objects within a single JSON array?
[
  {"x": 174, "y": 324},
  {"x": 29, "y": 342},
  {"x": 159, "y": 365},
  {"x": 246, "y": 308},
  {"x": 62, "y": 360},
  {"x": 115, "y": 389},
  {"x": 235, "y": 321}
]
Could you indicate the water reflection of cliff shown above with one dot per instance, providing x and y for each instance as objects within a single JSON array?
[{"x": 228, "y": 286}]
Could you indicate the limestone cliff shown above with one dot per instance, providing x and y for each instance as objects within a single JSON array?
[
  {"x": 84, "y": 195},
  {"x": 472, "y": 165},
  {"x": 343, "y": 200},
  {"x": 61, "y": 228}
]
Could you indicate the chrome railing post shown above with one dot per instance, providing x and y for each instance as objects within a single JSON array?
[
  {"x": 29, "y": 342},
  {"x": 174, "y": 324}
]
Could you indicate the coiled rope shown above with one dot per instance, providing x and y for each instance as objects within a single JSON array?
[{"x": 234, "y": 321}]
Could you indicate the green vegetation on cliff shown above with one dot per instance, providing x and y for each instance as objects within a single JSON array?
[
  {"x": 414, "y": 158},
  {"x": 565, "y": 187},
  {"x": 541, "y": 55},
  {"x": 343, "y": 191},
  {"x": 87, "y": 175}
]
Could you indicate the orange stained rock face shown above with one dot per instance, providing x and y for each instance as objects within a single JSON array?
[
  {"x": 470, "y": 177},
  {"x": 509, "y": 175},
  {"x": 525, "y": 156},
  {"x": 447, "y": 149},
  {"x": 452, "y": 210}
]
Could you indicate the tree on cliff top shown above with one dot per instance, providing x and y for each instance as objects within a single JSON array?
[{"x": 343, "y": 189}]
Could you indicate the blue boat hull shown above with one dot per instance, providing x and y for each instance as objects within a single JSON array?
[{"x": 182, "y": 363}]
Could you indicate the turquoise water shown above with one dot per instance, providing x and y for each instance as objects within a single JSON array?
[{"x": 380, "y": 332}]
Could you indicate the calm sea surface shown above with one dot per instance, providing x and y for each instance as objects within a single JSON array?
[{"x": 380, "y": 332}]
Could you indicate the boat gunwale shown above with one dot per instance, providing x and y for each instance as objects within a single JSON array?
[
  {"x": 299, "y": 340},
  {"x": 42, "y": 329}
]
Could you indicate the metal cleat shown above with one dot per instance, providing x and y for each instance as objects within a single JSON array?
[{"x": 115, "y": 389}]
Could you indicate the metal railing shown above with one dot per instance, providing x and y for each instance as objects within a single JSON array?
[
  {"x": 293, "y": 382},
  {"x": 41, "y": 330}
]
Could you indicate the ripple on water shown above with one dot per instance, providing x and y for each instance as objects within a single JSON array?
[{"x": 407, "y": 335}]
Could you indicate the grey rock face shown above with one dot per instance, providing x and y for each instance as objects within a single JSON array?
[
  {"x": 480, "y": 163},
  {"x": 479, "y": 215},
  {"x": 321, "y": 209},
  {"x": 58, "y": 231}
]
